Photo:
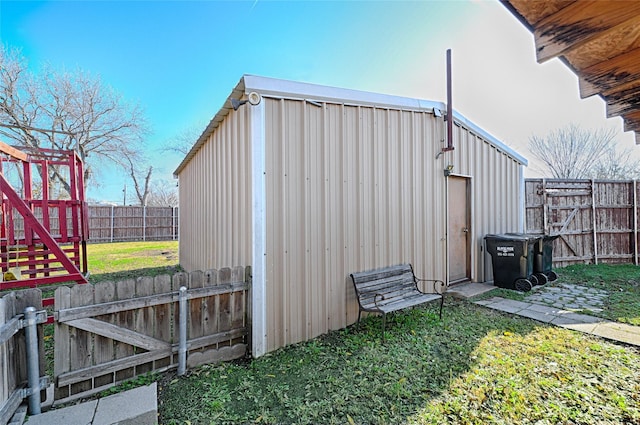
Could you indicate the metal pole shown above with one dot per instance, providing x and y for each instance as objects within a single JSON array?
[
  {"x": 33, "y": 368},
  {"x": 182, "y": 346}
]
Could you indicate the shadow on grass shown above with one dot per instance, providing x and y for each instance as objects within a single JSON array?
[{"x": 347, "y": 376}]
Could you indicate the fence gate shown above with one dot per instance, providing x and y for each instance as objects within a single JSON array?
[
  {"x": 113, "y": 331},
  {"x": 596, "y": 220}
]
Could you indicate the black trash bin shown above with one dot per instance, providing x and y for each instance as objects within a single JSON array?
[
  {"x": 538, "y": 253},
  {"x": 543, "y": 263},
  {"x": 512, "y": 261}
]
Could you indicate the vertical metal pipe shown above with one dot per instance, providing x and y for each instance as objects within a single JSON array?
[
  {"x": 182, "y": 346},
  {"x": 33, "y": 367},
  {"x": 449, "y": 105}
]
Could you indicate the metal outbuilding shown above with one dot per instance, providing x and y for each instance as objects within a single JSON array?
[{"x": 307, "y": 184}]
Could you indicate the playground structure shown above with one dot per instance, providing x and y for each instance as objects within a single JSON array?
[{"x": 42, "y": 238}]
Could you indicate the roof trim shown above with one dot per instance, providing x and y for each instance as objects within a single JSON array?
[{"x": 273, "y": 87}]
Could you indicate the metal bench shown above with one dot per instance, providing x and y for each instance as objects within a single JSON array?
[{"x": 393, "y": 288}]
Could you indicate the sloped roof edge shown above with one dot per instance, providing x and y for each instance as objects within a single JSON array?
[{"x": 272, "y": 87}]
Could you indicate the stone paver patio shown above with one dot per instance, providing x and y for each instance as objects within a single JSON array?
[{"x": 561, "y": 304}]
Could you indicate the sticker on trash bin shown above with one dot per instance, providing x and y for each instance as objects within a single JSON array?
[{"x": 505, "y": 251}]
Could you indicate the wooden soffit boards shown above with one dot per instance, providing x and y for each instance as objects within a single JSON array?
[{"x": 599, "y": 40}]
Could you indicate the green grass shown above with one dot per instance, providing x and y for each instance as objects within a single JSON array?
[
  {"x": 476, "y": 366},
  {"x": 621, "y": 281},
  {"x": 124, "y": 260}
]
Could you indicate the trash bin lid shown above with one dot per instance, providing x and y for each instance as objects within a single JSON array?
[
  {"x": 529, "y": 236},
  {"x": 509, "y": 237}
]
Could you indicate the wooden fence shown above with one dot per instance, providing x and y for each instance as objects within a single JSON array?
[
  {"x": 113, "y": 331},
  {"x": 13, "y": 359},
  {"x": 597, "y": 220},
  {"x": 122, "y": 223}
]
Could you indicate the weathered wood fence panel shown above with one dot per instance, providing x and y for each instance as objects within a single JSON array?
[
  {"x": 109, "y": 332},
  {"x": 129, "y": 223},
  {"x": 597, "y": 220},
  {"x": 13, "y": 358}
]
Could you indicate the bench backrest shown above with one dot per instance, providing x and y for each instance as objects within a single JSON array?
[{"x": 391, "y": 282}]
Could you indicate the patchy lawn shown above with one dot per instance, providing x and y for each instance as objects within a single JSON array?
[
  {"x": 621, "y": 281},
  {"x": 476, "y": 366},
  {"x": 125, "y": 260}
]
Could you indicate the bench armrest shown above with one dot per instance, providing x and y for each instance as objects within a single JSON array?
[
  {"x": 439, "y": 287},
  {"x": 375, "y": 298}
]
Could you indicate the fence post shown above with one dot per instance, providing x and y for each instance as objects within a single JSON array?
[
  {"x": 593, "y": 217},
  {"x": 182, "y": 346},
  {"x": 112, "y": 220},
  {"x": 144, "y": 222},
  {"x": 33, "y": 367},
  {"x": 635, "y": 222},
  {"x": 545, "y": 207},
  {"x": 173, "y": 223}
]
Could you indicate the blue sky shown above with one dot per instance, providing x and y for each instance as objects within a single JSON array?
[{"x": 180, "y": 59}]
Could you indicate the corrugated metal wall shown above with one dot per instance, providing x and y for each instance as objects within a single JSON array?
[
  {"x": 215, "y": 199},
  {"x": 350, "y": 188},
  {"x": 497, "y": 198}
]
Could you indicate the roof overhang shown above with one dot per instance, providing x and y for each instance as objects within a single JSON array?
[{"x": 598, "y": 40}]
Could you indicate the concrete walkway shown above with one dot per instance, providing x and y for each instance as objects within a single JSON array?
[
  {"x": 138, "y": 406},
  {"x": 567, "y": 319},
  {"x": 559, "y": 304}
]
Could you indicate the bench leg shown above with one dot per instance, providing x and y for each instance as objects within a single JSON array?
[
  {"x": 358, "y": 324},
  {"x": 441, "y": 304}
]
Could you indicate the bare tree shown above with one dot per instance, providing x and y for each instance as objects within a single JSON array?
[
  {"x": 141, "y": 177},
  {"x": 68, "y": 111},
  {"x": 575, "y": 153},
  {"x": 182, "y": 142},
  {"x": 163, "y": 194},
  {"x": 616, "y": 165}
]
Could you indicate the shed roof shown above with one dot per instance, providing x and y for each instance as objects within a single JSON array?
[
  {"x": 272, "y": 87},
  {"x": 598, "y": 40}
]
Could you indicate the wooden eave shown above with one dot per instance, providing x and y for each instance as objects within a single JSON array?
[{"x": 598, "y": 40}]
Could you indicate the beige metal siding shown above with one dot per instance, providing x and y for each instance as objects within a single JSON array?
[
  {"x": 495, "y": 181},
  {"x": 215, "y": 199},
  {"x": 351, "y": 188}
]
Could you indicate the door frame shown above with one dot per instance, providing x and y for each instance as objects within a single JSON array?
[{"x": 471, "y": 254}]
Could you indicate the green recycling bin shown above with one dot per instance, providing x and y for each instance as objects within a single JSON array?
[
  {"x": 512, "y": 258},
  {"x": 543, "y": 260},
  {"x": 543, "y": 263},
  {"x": 538, "y": 252}
]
